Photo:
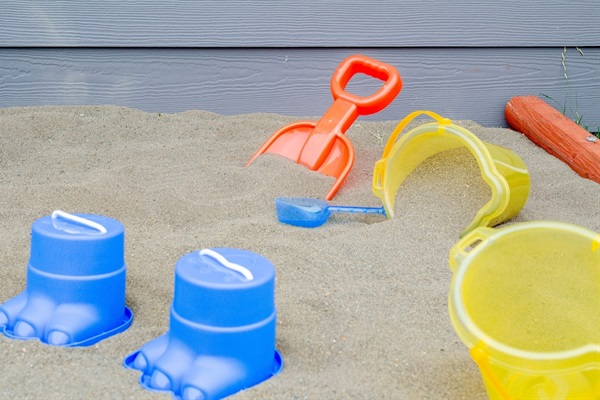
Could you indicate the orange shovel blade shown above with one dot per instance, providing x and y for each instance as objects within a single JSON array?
[
  {"x": 338, "y": 163},
  {"x": 288, "y": 141}
]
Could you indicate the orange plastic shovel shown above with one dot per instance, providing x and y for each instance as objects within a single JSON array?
[{"x": 322, "y": 146}]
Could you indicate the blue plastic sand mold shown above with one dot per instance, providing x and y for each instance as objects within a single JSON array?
[
  {"x": 75, "y": 290},
  {"x": 221, "y": 337}
]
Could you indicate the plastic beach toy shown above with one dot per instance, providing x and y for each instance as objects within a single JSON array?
[
  {"x": 525, "y": 299},
  {"x": 502, "y": 170},
  {"x": 221, "y": 337},
  {"x": 322, "y": 146},
  {"x": 75, "y": 293},
  {"x": 311, "y": 213}
]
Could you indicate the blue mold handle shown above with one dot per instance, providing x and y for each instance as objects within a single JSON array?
[
  {"x": 221, "y": 336},
  {"x": 75, "y": 291}
]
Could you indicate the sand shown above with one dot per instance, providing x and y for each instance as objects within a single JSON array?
[{"x": 362, "y": 301}]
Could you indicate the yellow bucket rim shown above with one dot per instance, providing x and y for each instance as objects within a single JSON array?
[{"x": 460, "y": 259}]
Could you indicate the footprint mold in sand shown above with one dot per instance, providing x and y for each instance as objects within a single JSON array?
[
  {"x": 221, "y": 337},
  {"x": 75, "y": 287}
]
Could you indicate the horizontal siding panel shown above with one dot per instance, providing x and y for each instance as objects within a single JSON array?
[
  {"x": 292, "y": 23},
  {"x": 458, "y": 83}
]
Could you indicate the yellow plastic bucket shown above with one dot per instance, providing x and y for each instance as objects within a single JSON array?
[
  {"x": 525, "y": 299},
  {"x": 504, "y": 172}
]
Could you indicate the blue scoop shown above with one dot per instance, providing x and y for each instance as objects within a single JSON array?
[{"x": 310, "y": 213}]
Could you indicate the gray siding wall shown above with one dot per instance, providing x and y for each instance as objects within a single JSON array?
[{"x": 462, "y": 59}]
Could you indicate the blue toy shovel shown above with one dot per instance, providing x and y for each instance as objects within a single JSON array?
[{"x": 310, "y": 213}]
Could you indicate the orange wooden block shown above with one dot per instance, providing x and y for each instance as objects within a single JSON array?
[{"x": 555, "y": 133}]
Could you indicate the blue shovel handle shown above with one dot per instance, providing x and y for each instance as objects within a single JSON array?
[{"x": 354, "y": 209}]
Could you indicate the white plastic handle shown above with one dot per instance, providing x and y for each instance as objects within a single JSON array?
[
  {"x": 227, "y": 264},
  {"x": 74, "y": 218}
]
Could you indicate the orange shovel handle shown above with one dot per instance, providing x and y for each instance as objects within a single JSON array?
[
  {"x": 359, "y": 63},
  {"x": 347, "y": 106}
]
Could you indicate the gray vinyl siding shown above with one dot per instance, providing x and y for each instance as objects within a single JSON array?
[{"x": 462, "y": 59}]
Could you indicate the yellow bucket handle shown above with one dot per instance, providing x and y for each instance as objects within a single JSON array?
[
  {"x": 478, "y": 355},
  {"x": 461, "y": 249},
  {"x": 400, "y": 127}
]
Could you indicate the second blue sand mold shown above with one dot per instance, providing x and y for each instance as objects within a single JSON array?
[{"x": 221, "y": 336}]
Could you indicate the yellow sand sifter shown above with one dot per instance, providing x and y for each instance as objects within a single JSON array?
[{"x": 504, "y": 172}]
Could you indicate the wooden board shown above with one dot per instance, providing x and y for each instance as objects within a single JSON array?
[
  {"x": 556, "y": 134},
  {"x": 292, "y": 23},
  {"x": 457, "y": 83}
]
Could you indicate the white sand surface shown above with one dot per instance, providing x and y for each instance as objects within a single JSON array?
[{"x": 362, "y": 301}]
